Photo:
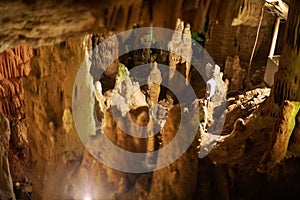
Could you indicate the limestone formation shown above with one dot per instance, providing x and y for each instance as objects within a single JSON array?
[
  {"x": 234, "y": 73},
  {"x": 67, "y": 120},
  {"x": 221, "y": 86},
  {"x": 187, "y": 51},
  {"x": 170, "y": 181},
  {"x": 223, "y": 39},
  {"x": 254, "y": 141},
  {"x": 100, "y": 97},
  {"x": 157, "y": 120},
  {"x": 142, "y": 56},
  {"x": 154, "y": 81},
  {"x": 180, "y": 48},
  {"x": 6, "y": 186},
  {"x": 126, "y": 95},
  {"x": 14, "y": 64},
  {"x": 84, "y": 101},
  {"x": 104, "y": 55}
]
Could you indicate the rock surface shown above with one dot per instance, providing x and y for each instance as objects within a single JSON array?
[{"x": 6, "y": 185}]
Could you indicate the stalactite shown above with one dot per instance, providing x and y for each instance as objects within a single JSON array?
[{"x": 14, "y": 64}]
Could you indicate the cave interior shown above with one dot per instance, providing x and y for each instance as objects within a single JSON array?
[{"x": 147, "y": 99}]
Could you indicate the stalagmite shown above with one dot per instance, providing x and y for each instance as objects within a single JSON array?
[
  {"x": 174, "y": 47},
  {"x": 154, "y": 81},
  {"x": 187, "y": 51},
  {"x": 180, "y": 48},
  {"x": 158, "y": 116},
  {"x": 170, "y": 182},
  {"x": 234, "y": 73},
  {"x": 99, "y": 96},
  {"x": 215, "y": 97}
]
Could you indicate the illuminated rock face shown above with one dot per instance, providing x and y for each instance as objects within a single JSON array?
[{"x": 53, "y": 139}]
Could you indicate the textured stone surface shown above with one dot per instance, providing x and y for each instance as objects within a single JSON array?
[
  {"x": 14, "y": 64},
  {"x": 175, "y": 181},
  {"x": 14, "y": 67},
  {"x": 287, "y": 82},
  {"x": 57, "y": 152},
  {"x": 6, "y": 185},
  {"x": 224, "y": 40},
  {"x": 234, "y": 73},
  {"x": 48, "y": 22},
  {"x": 54, "y": 142}
]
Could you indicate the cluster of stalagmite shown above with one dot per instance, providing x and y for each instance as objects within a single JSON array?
[{"x": 180, "y": 48}]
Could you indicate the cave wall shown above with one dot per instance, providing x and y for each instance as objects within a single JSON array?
[
  {"x": 287, "y": 83},
  {"x": 14, "y": 67},
  {"x": 6, "y": 185},
  {"x": 233, "y": 34},
  {"x": 55, "y": 146}
]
